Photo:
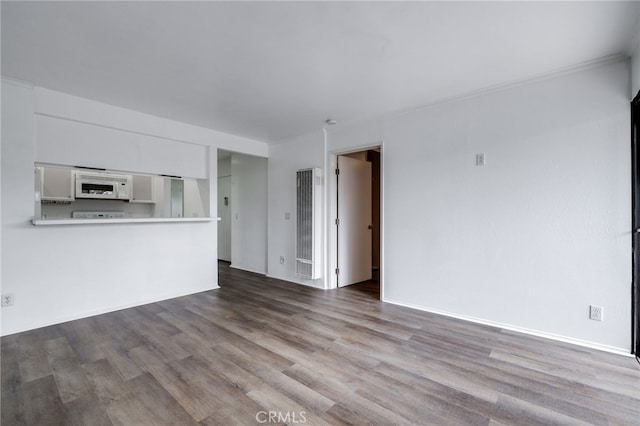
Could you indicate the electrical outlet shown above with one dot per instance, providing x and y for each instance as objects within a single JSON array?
[
  {"x": 596, "y": 313},
  {"x": 479, "y": 159},
  {"x": 7, "y": 299},
  {"x": 281, "y": 260}
]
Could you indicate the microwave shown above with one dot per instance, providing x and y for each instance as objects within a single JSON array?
[{"x": 103, "y": 186}]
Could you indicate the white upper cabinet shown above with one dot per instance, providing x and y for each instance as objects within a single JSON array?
[
  {"x": 56, "y": 184},
  {"x": 142, "y": 189},
  {"x": 61, "y": 141}
]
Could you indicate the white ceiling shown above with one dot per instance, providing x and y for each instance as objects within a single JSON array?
[{"x": 271, "y": 70}]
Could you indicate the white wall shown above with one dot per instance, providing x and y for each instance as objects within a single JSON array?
[
  {"x": 249, "y": 213},
  {"x": 224, "y": 212},
  {"x": 285, "y": 158},
  {"x": 51, "y": 270},
  {"x": 526, "y": 242},
  {"x": 246, "y": 245},
  {"x": 246, "y": 242},
  {"x": 224, "y": 167},
  {"x": 534, "y": 237}
]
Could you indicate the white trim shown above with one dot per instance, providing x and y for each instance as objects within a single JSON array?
[
  {"x": 381, "y": 266},
  {"x": 538, "y": 333},
  {"x": 332, "y": 187},
  {"x": 587, "y": 65},
  {"x": 93, "y": 313},
  {"x": 242, "y": 268},
  {"x": 326, "y": 250},
  {"x": 15, "y": 82},
  {"x": 294, "y": 281},
  {"x": 49, "y": 222}
]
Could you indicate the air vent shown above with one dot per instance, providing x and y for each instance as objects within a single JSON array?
[
  {"x": 308, "y": 223},
  {"x": 102, "y": 177}
]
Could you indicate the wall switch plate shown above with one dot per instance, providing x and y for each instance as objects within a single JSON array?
[
  {"x": 7, "y": 299},
  {"x": 479, "y": 159},
  {"x": 596, "y": 313}
]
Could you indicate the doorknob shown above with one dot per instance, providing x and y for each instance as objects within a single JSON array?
[
  {"x": 637, "y": 231},
  {"x": 371, "y": 227}
]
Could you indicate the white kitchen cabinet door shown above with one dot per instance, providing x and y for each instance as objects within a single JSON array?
[
  {"x": 57, "y": 184},
  {"x": 142, "y": 189}
]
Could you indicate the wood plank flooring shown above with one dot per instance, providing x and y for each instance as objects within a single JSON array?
[{"x": 263, "y": 351}]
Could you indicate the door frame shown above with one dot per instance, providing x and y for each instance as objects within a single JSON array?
[
  {"x": 332, "y": 213},
  {"x": 635, "y": 221}
]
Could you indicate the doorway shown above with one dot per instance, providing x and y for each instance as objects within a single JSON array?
[
  {"x": 242, "y": 208},
  {"x": 358, "y": 224},
  {"x": 224, "y": 213},
  {"x": 635, "y": 213},
  {"x": 224, "y": 205}
]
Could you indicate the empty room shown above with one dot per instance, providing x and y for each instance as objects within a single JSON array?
[{"x": 323, "y": 213}]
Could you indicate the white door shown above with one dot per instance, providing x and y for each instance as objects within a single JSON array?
[
  {"x": 354, "y": 221},
  {"x": 224, "y": 213}
]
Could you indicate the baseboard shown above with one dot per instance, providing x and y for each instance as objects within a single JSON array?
[
  {"x": 93, "y": 313},
  {"x": 294, "y": 281},
  {"x": 243, "y": 268},
  {"x": 523, "y": 330}
]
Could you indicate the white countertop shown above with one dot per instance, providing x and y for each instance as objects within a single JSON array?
[{"x": 48, "y": 222}]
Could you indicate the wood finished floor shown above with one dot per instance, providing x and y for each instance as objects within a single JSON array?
[{"x": 326, "y": 357}]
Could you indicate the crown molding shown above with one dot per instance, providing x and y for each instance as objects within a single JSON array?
[
  {"x": 16, "y": 82},
  {"x": 583, "y": 66}
]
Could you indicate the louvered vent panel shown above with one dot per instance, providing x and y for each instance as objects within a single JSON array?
[
  {"x": 103, "y": 177},
  {"x": 308, "y": 223}
]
